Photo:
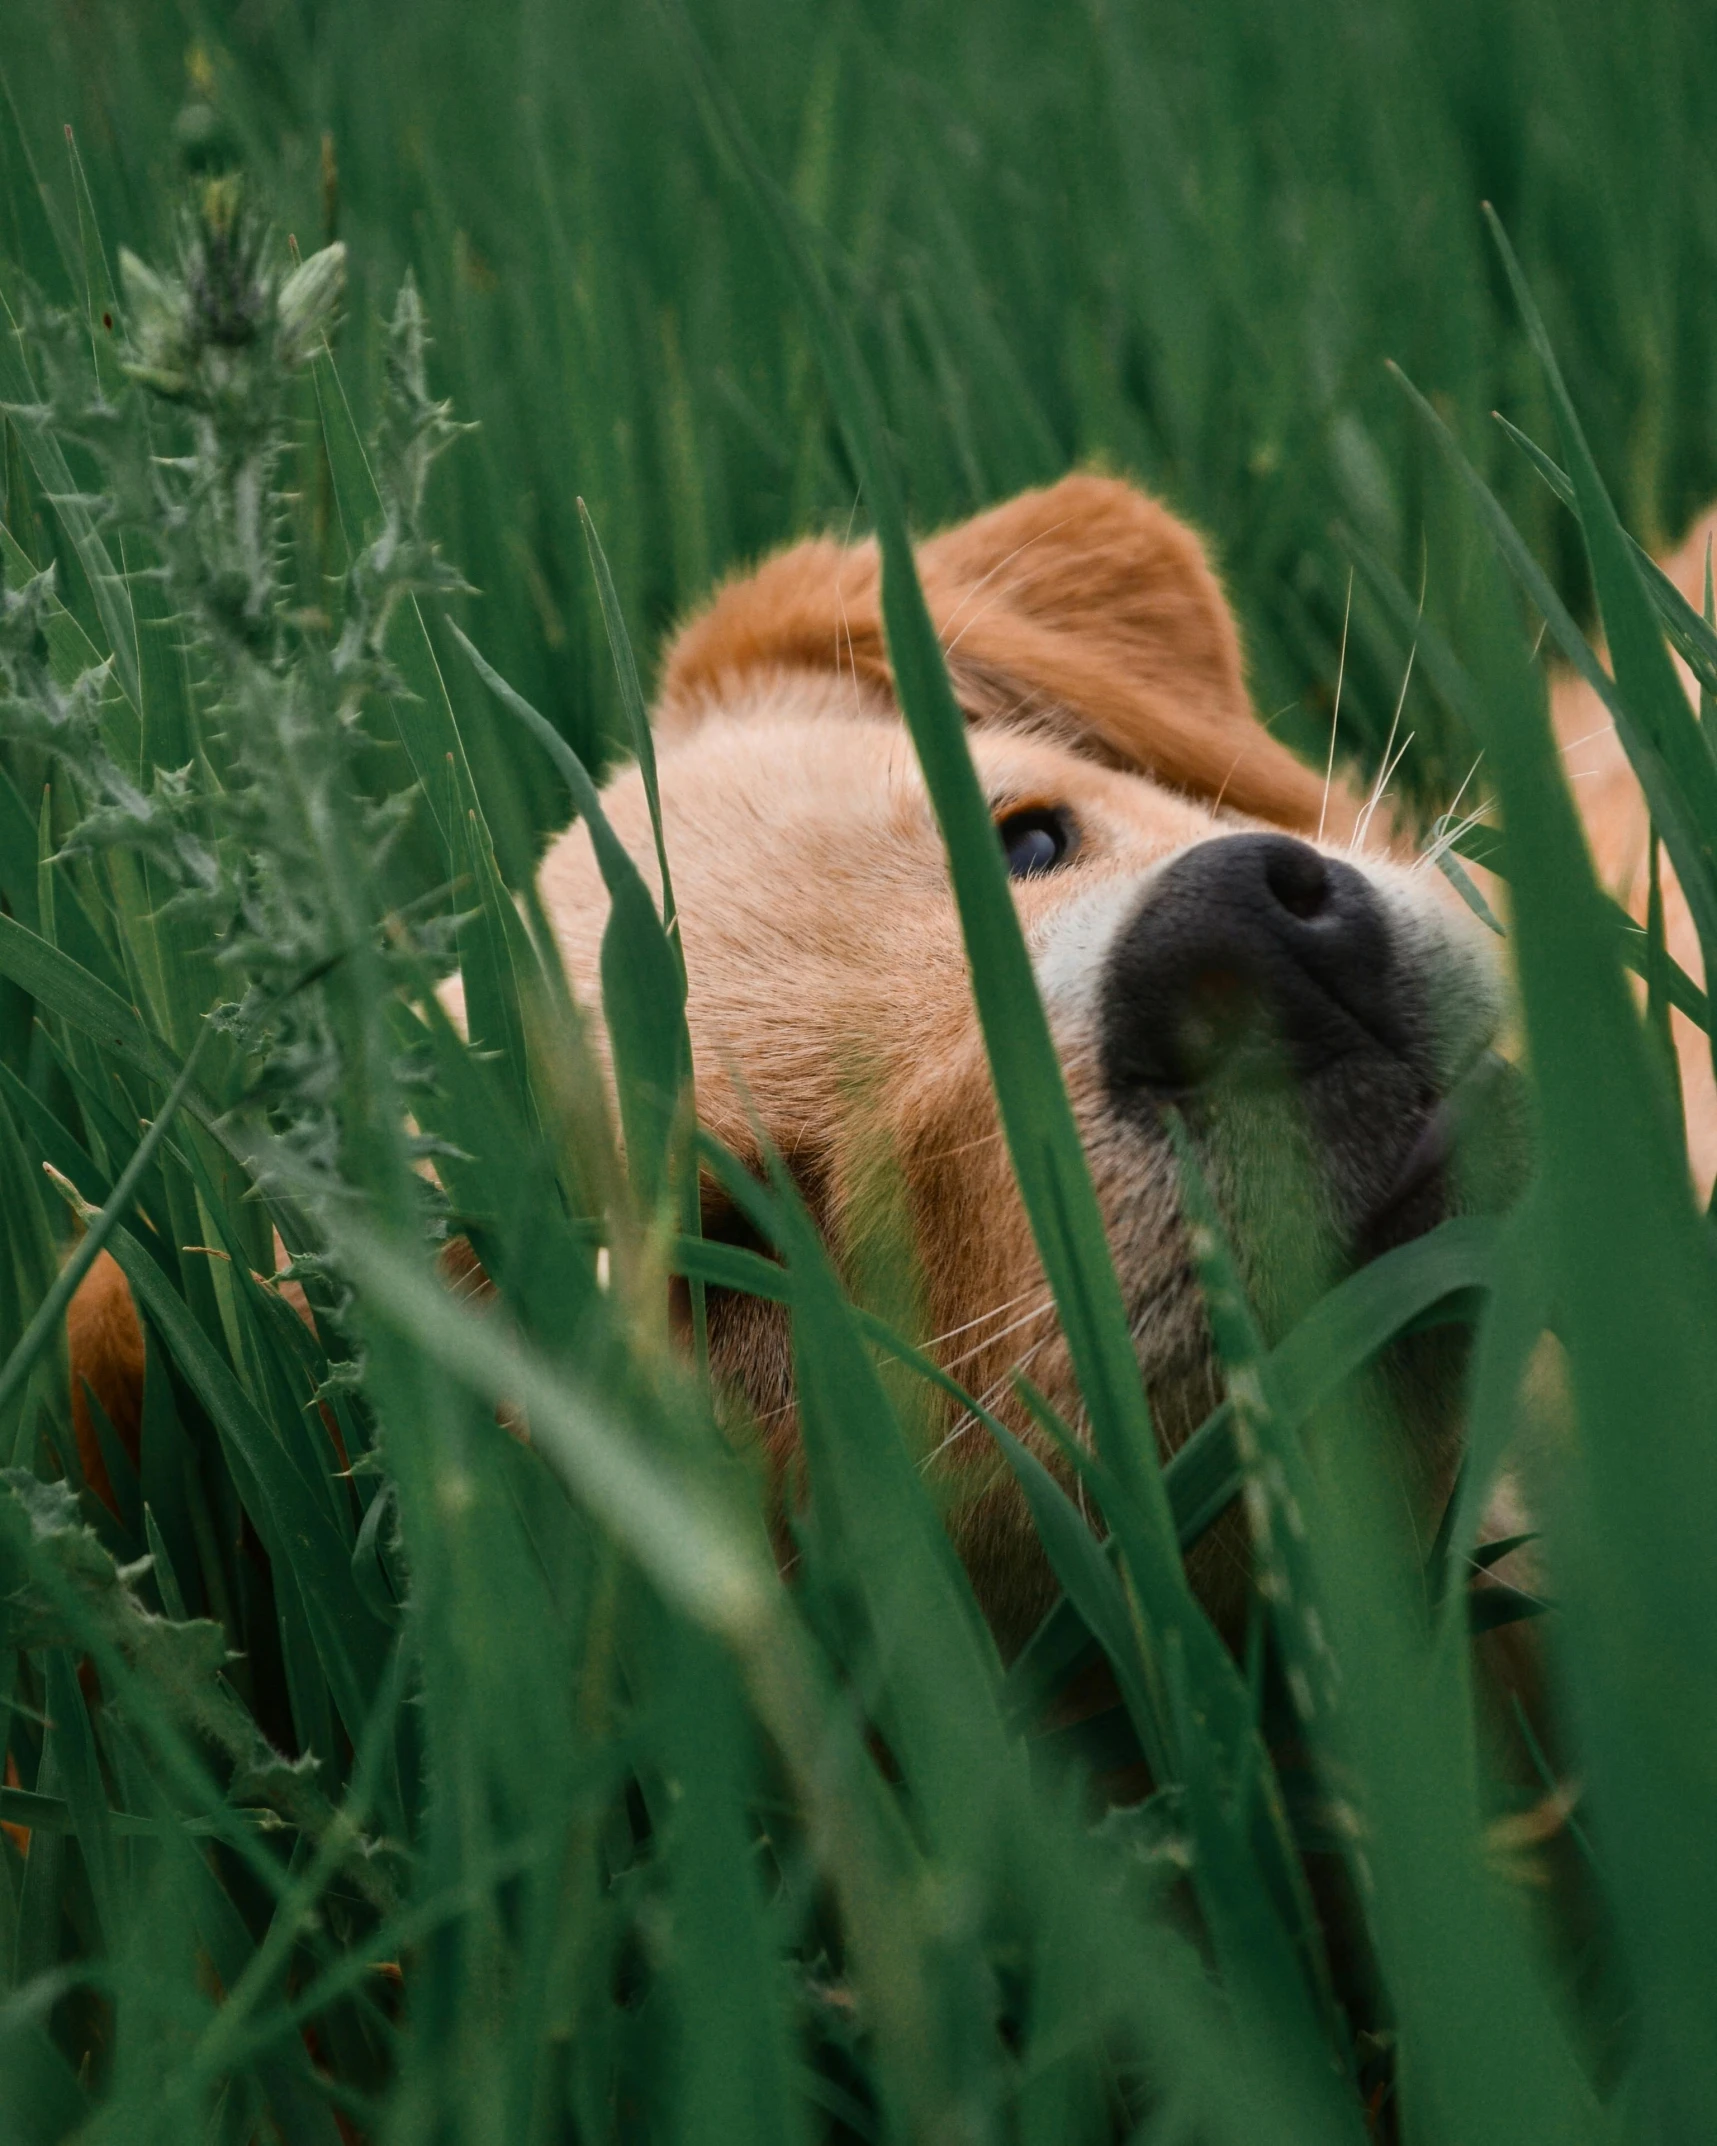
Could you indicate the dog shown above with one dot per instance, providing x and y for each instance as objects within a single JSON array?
[
  {"x": 1214, "y": 927},
  {"x": 1183, "y": 915}
]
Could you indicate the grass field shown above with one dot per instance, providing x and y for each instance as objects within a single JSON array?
[{"x": 374, "y": 1774}]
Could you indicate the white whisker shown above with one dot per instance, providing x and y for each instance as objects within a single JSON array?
[
  {"x": 1452, "y": 834},
  {"x": 1379, "y": 789},
  {"x": 1226, "y": 780},
  {"x": 996, "y": 1311},
  {"x": 844, "y": 626},
  {"x": 988, "y": 1341},
  {"x": 1335, "y": 718},
  {"x": 1455, "y": 801},
  {"x": 966, "y": 1421},
  {"x": 1363, "y": 829},
  {"x": 948, "y": 647},
  {"x": 965, "y": 1147}
]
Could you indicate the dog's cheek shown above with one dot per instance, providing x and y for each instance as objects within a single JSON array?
[
  {"x": 1133, "y": 1173},
  {"x": 1454, "y": 963},
  {"x": 751, "y": 1369}
]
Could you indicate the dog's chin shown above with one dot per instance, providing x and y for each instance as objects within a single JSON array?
[
  {"x": 1468, "y": 1152},
  {"x": 1421, "y": 1193},
  {"x": 1316, "y": 1179}
]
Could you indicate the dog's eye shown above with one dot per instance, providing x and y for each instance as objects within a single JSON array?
[{"x": 1037, "y": 840}]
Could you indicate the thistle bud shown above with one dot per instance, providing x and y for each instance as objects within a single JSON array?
[
  {"x": 158, "y": 317},
  {"x": 309, "y": 299}
]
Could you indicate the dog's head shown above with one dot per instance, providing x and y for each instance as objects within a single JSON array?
[{"x": 1195, "y": 940}]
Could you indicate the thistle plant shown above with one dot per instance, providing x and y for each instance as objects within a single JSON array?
[
  {"x": 66, "y": 722},
  {"x": 260, "y": 829}
]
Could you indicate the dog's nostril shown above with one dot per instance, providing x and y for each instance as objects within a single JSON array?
[{"x": 1299, "y": 879}]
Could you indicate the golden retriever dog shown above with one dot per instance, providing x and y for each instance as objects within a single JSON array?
[
  {"x": 1180, "y": 909},
  {"x": 1212, "y": 926}
]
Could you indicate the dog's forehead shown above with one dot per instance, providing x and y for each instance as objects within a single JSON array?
[
  {"x": 805, "y": 780},
  {"x": 790, "y": 774},
  {"x": 781, "y": 819}
]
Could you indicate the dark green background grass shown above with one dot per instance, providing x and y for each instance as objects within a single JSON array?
[{"x": 1176, "y": 238}]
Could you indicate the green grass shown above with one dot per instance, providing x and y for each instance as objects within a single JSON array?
[
  {"x": 468, "y": 1789},
  {"x": 1178, "y": 239}
]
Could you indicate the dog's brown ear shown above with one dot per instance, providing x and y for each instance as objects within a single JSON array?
[{"x": 1085, "y": 610}]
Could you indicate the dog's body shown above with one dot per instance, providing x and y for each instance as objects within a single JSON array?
[
  {"x": 1618, "y": 827},
  {"x": 829, "y": 1002}
]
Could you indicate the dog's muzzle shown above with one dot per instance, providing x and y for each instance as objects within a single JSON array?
[
  {"x": 1249, "y": 947},
  {"x": 1255, "y": 965}
]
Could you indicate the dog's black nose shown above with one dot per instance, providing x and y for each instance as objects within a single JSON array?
[{"x": 1248, "y": 946}]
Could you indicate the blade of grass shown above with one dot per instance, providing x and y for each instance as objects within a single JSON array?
[
  {"x": 291, "y": 1513},
  {"x": 1632, "y": 1266},
  {"x": 637, "y": 720},
  {"x": 1655, "y": 724},
  {"x": 643, "y": 981},
  {"x": 1043, "y": 1141},
  {"x": 644, "y": 746},
  {"x": 1694, "y": 638}
]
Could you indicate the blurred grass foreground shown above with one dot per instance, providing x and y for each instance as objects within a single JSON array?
[{"x": 374, "y": 1773}]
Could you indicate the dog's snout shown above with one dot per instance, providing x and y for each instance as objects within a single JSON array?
[{"x": 1248, "y": 945}]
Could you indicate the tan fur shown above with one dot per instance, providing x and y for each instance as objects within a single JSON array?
[{"x": 1618, "y": 828}]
